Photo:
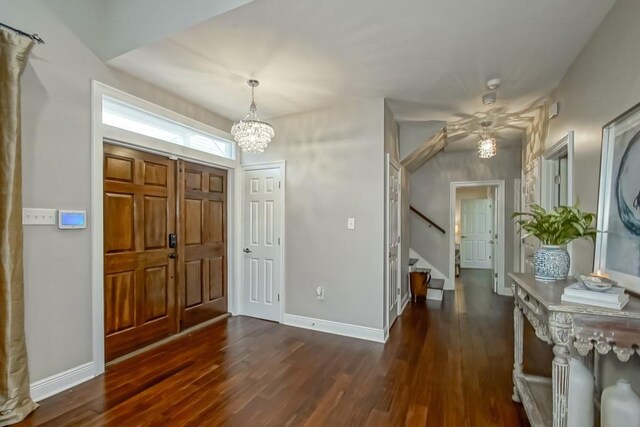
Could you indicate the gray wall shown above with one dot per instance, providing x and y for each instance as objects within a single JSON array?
[
  {"x": 56, "y": 108},
  {"x": 112, "y": 28},
  {"x": 603, "y": 82},
  {"x": 413, "y": 134},
  {"x": 335, "y": 170},
  {"x": 430, "y": 186}
]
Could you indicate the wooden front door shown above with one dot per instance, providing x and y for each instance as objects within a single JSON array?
[
  {"x": 139, "y": 265},
  {"x": 202, "y": 242}
]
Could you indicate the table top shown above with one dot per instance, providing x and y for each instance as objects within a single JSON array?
[{"x": 549, "y": 295}]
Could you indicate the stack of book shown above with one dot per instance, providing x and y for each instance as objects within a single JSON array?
[{"x": 614, "y": 298}]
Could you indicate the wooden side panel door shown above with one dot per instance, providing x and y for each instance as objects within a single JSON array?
[
  {"x": 202, "y": 242},
  {"x": 139, "y": 271}
]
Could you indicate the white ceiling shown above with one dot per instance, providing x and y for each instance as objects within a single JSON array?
[{"x": 431, "y": 58}]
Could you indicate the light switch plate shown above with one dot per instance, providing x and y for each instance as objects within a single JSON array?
[
  {"x": 351, "y": 223},
  {"x": 31, "y": 216}
]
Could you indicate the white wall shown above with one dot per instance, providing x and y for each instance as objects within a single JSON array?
[
  {"x": 56, "y": 108},
  {"x": 335, "y": 170},
  {"x": 430, "y": 186},
  {"x": 602, "y": 83}
]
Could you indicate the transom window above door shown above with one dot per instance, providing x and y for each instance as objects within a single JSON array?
[{"x": 132, "y": 119}]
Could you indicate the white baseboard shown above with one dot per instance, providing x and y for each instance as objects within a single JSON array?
[
  {"x": 404, "y": 302},
  {"x": 344, "y": 329},
  {"x": 54, "y": 384},
  {"x": 507, "y": 292}
]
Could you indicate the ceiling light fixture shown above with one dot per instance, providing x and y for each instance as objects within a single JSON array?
[
  {"x": 252, "y": 134},
  {"x": 493, "y": 84},
  {"x": 489, "y": 98},
  {"x": 487, "y": 146}
]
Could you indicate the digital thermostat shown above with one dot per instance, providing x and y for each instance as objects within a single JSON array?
[{"x": 72, "y": 219}]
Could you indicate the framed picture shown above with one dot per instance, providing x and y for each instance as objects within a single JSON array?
[{"x": 618, "y": 241}]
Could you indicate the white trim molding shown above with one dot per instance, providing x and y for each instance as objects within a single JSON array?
[
  {"x": 405, "y": 302},
  {"x": 240, "y": 220},
  {"x": 564, "y": 146},
  {"x": 100, "y": 133},
  {"x": 337, "y": 328},
  {"x": 449, "y": 284},
  {"x": 501, "y": 287},
  {"x": 62, "y": 381}
]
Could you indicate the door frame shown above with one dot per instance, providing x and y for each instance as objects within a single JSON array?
[
  {"x": 517, "y": 235},
  {"x": 500, "y": 226},
  {"x": 389, "y": 161},
  {"x": 101, "y": 133},
  {"x": 564, "y": 146},
  {"x": 282, "y": 165}
]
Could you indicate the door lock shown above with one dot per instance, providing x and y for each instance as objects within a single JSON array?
[
  {"x": 246, "y": 250},
  {"x": 173, "y": 255}
]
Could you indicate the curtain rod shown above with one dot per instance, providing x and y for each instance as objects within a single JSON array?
[{"x": 35, "y": 37}]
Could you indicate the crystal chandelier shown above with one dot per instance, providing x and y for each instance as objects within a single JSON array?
[
  {"x": 252, "y": 134},
  {"x": 487, "y": 146}
]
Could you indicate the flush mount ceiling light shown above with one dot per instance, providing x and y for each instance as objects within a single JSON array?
[
  {"x": 493, "y": 84},
  {"x": 487, "y": 146},
  {"x": 252, "y": 134},
  {"x": 489, "y": 98}
]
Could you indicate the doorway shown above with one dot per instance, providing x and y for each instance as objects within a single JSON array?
[
  {"x": 164, "y": 247},
  {"x": 475, "y": 227},
  {"x": 477, "y": 220}
]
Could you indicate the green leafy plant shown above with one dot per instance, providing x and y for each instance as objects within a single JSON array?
[{"x": 557, "y": 227}]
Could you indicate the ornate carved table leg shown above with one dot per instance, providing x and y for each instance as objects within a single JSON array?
[
  {"x": 517, "y": 348},
  {"x": 560, "y": 327}
]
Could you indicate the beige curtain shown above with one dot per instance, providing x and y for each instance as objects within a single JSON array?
[{"x": 15, "y": 402}]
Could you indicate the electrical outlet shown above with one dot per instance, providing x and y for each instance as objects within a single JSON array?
[
  {"x": 351, "y": 223},
  {"x": 31, "y": 216},
  {"x": 320, "y": 293}
]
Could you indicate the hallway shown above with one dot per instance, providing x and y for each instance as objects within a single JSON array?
[{"x": 444, "y": 365}]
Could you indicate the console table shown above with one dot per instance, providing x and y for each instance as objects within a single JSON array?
[{"x": 564, "y": 325}]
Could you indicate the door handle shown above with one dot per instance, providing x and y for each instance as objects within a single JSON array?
[
  {"x": 246, "y": 250},
  {"x": 491, "y": 242},
  {"x": 463, "y": 237},
  {"x": 173, "y": 255}
]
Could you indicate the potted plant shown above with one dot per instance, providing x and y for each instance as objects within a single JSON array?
[{"x": 555, "y": 229}]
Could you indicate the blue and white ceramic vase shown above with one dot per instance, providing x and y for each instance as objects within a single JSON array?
[{"x": 551, "y": 263}]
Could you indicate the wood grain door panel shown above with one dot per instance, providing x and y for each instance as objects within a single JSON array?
[
  {"x": 203, "y": 269},
  {"x": 139, "y": 275}
]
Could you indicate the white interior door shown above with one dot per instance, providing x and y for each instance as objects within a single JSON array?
[
  {"x": 393, "y": 240},
  {"x": 262, "y": 222},
  {"x": 476, "y": 235}
]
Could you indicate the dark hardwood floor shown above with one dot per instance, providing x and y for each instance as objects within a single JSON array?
[{"x": 444, "y": 365}]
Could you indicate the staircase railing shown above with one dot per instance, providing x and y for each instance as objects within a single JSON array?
[{"x": 429, "y": 221}]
